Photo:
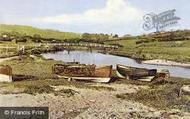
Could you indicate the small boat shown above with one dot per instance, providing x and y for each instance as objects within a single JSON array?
[
  {"x": 135, "y": 73},
  {"x": 5, "y": 73},
  {"x": 83, "y": 72}
]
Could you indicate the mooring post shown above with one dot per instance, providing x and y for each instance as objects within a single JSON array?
[{"x": 6, "y": 52}]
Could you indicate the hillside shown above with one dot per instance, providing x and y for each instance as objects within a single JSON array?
[
  {"x": 179, "y": 35},
  {"x": 171, "y": 45},
  {"x": 30, "y": 31}
]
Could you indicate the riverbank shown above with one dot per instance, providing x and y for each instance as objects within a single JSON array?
[
  {"x": 91, "y": 100},
  {"x": 129, "y": 48},
  {"x": 153, "y": 50},
  {"x": 166, "y": 63}
]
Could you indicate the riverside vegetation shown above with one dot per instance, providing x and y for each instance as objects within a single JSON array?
[
  {"x": 178, "y": 51},
  {"x": 35, "y": 75},
  {"x": 174, "y": 46}
]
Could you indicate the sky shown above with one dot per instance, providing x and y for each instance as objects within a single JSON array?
[{"x": 91, "y": 16}]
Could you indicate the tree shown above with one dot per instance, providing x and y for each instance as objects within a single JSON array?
[
  {"x": 95, "y": 37},
  {"x": 86, "y": 36},
  {"x": 36, "y": 38},
  {"x": 115, "y": 36}
]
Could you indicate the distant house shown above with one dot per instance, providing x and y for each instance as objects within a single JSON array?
[
  {"x": 5, "y": 37},
  {"x": 5, "y": 73}
]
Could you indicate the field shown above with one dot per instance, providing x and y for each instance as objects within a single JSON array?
[
  {"x": 44, "y": 33},
  {"x": 172, "y": 50}
]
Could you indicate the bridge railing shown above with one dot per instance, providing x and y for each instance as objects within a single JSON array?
[{"x": 84, "y": 45}]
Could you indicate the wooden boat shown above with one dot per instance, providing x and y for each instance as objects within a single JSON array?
[
  {"x": 5, "y": 73},
  {"x": 83, "y": 72},
  {"x": 135, "y": 73}
]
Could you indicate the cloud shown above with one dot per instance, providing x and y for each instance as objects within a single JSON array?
[{"x": 116, "y": 12}]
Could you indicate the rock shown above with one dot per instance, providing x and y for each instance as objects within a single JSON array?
[
  {"x": 92, "y": 101},
  {"x": 159, "y": 81},
  {"x": 185, "y": 90},
  {"x": 163, "y": 75},
  {"x": 71, "y": 110},
  {"x": 130, "y": 108}
]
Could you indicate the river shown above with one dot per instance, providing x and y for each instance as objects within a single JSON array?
[{"x": 106, "y": 59}]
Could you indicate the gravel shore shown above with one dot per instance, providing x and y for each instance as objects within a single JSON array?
[
  {"x": 93, "y": 104},
  {"x": 166, "y": 63}
]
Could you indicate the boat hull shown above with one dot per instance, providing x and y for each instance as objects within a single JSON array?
[
  {"x": 134, "y": 73},
  {"x": 88, "y": 79},
  {"x": 87, "y": 73}
]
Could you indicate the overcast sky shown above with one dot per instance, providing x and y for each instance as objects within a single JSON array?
[{"x": 93, "y": 16}]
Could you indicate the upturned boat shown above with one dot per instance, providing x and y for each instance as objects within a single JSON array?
[{"x": 135, "y": 73}]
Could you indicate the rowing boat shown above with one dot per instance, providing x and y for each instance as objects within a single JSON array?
[
  {"x": 83, "y": 72},
  {"x": 135, "y": 73}
]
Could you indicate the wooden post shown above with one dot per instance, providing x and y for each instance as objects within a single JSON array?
[{"x": 6, "y": 50}]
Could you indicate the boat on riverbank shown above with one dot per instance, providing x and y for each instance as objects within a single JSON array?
[
  {"x": 82, "y": 72},
  {"x": 5, "y": 73},
  {"x": 135, "y": 73}
]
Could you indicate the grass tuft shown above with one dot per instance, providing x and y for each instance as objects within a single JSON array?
[{"x": 165, "y": 96}]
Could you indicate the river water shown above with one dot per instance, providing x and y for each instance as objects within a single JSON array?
[{"x": 106, "y": 59}]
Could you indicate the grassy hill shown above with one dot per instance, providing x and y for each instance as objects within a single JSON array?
[
  {"x": 28, "y": 30},
  {"x": 172, "y": 45},
  {"x": 179, "y": 35}
]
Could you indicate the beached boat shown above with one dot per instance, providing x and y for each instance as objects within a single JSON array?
[
  {"x": 5, "y": 73},
  {"x": 83, "y": 72},
  {"x": 135, "y": 73}
]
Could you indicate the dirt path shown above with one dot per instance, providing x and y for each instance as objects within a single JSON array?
[
  {"x": 8, "y": 58},
  {"x": 92, "y": 104},
  {"x": 166, "y": 63}
]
